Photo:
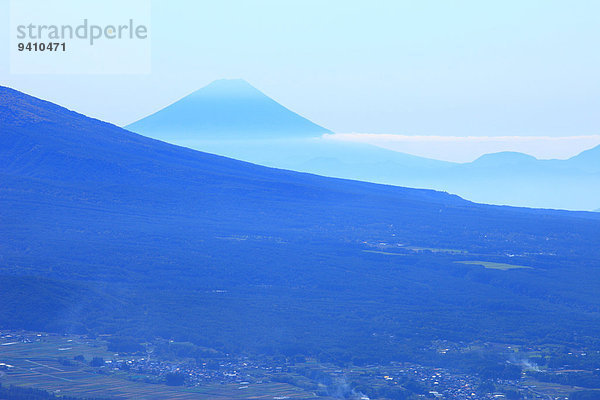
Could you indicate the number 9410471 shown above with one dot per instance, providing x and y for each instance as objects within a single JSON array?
[{"x": 35, "y": 46}]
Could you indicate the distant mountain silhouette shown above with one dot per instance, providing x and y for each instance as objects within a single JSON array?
[
  {"x": 503, "y": 159},
  {"x": 106, "y": 231},
  {"x": 226, "y": 109},
  {"x": 506, "y": 178},
  {"x": 588, "y": 161},
  {"x": 233, "y": 119}
]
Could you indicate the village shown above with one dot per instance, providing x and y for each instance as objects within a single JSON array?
[{"x": 47, "y": 354}]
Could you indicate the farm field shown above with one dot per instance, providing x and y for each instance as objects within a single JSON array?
[
  {"x": 37, "y": 365},
  {"x": 551, "y": 389},
  {"x": 387, "y": 253},
  {"x": 494, "y": 265}
]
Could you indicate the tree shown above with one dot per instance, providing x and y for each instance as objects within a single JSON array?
[
  {"x": 97, "y": 362},
  {"x": 175, "y": 379}
]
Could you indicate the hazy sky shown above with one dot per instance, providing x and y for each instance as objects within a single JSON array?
[{"x": 446, "y": 68}]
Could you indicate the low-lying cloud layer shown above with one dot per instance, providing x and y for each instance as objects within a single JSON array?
[{"x": 468, "y": 148}]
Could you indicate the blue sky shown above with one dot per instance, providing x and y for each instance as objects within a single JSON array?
[{"x": 445, "y": 68}]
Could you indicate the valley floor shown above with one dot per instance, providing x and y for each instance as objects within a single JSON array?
[{"x": 83, "y": 367}]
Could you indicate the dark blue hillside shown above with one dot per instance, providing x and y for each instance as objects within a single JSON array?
[
  {"x": 41, "y": 139},
  {"x": 124, "y": 234}
]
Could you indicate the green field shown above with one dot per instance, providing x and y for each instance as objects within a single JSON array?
[
  {"x": 494, "y": 265},
  {"x": 550, "y": 389},
  {"x": 36, "y": 365},
  {"x": 384, "y": 253}
]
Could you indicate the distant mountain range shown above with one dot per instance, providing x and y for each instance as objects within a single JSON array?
[
  {"x": 106, "y": 231},
  {"x": 226, "y": 109},
  {"x": 205, "y": 120}
]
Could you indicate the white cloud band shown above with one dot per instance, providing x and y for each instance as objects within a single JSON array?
[{"x": 468, "y": 148}]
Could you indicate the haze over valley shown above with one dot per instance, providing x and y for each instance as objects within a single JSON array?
[{"x": 222, "y": 119}]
